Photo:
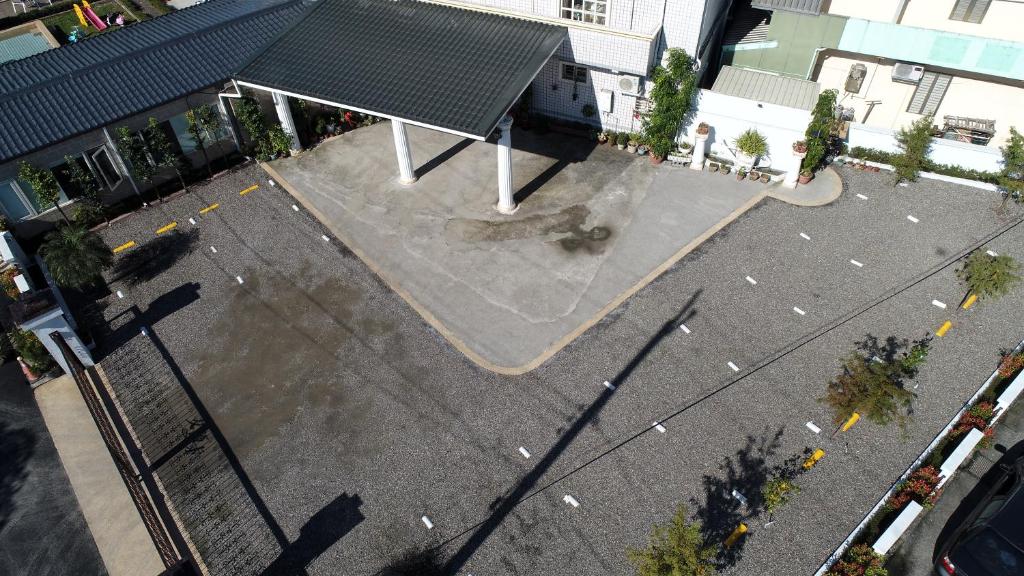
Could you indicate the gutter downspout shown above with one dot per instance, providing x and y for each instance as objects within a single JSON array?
[{"x": 814, "y": 62}]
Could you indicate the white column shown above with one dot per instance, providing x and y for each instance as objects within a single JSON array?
[
  {"x": 506, "y": 202},
  {"x": 699, "y": 146},
  {"x": 52, "y": 321},
  {"x": 406, "y": 174},
  {"x": 284, "y": 114},
  {"x": 793, "y": 173}
]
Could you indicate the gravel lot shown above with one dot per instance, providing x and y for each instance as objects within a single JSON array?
[{"x": 345, "y": 418}]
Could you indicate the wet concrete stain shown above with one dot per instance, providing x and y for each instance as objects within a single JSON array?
[{"x": 568, "y": 223}]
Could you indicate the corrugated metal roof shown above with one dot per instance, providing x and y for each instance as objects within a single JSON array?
[
  {"x": 768, "y": 88},
  {"x": 52, "y": 96},
  {"x": 441, "y": 66},
  {"x": 799, "y": 6}
]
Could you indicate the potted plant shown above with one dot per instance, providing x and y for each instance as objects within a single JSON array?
[
  {"x": 686, "y": 148},
  {"x": 642, "y": 149},
  {"x": 713, "y": 166},
  {"x": 765, "y": 178},
  {"x": 621, "y": 140},
  {"x": 703, "y": 129},
  {"x": 660, "y": 149},
  {"x": 750, "y": 146},
  {"x": 725, "y": 169},
  {"x": 755, "y": 175},
  {"x": 800, "y": 147},
  {"x": 631, "y": 143},
  {"x": 741, "y": 174},
  {"x": 805, "y": 176},
  {"x": 602, "y": 137}
]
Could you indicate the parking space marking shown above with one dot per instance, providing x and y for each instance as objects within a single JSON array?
[
  {"x": 805, "y": 236},
  {"x": 213, "y": 206},
  {"x": 739, "y": 497},
  {"x": 857, "y": 264},
  {"x": 249, "y": 189},
  {"x": 294, "y": 207},
  {"x": 212, "y": 249},
  {"x": 734, "y": 367},
  {"x": 609, "y": 385},
  {"x": 125, "y": 246},
  {"x": 862, "y": 197},
  {"x": 120, "y": 294},
  {"x": 524, "y": 452},
  {"x": 752, "y": 281},
  {"x": 810, "y": 426},
  {"x": 427, "y": 522},
  {"x": 944, "y": 328},
  {"x": 991, "y": 253},
  {"x": 570, "y": 501},
  {"x": 192, "y": 221},
  {"x": 939, "y": 304},
  {"x": 912, "y": 219},
  {"x": 239, "y": 278},
  {"x": 684, "y": 328},
  {"x": 798, "y": 311},
  {"x": 659, "y": 427},
  {"x": 324, "y": 236},
  {"x": 167, "y": 228}
]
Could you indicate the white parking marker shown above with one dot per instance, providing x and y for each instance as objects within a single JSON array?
[
  {"x": 324, "y": 236},
  {"x": 805, "y": 236},
  {"x": 912, "y": 219},
  {"x": 294, "y": 207},
  {"x": 192, "y": 221},
  {"x": 120, "y": 294},
  {"x": 570, "y": 501},
  {"x": 609, "y": 385},
  {"x": 659, "y": 427},
  {"x": 239, "y": 278},
  {"x": 734, "y": 367},
  {"x": 752, "y": 281},
  {"x": 877, "y": 359},
  {"x": 904, "y": 184},
  {"x": 798, "y": 311},
  {"x": 212, "y": 249},
  {"x": 991, "y": 253},
  {"x": 810, "y": 425},
  {"x": 524, "y": 452},
  {"x": 857, "y": 264},
  {"x": 684, "y": 328},
  {"x": 862, "y": 197},
  {"x": 271, "y": 182},
  {"x": 739, "y": 496},
  {"x": 144, "y": 331},
  {"x": 939, "y": 304},
  {"x": 427, "y": 523}
]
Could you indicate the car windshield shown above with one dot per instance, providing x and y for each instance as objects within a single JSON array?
[{"x": 989, "y": 554}]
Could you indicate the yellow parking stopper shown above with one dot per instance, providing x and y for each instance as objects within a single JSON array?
[
  {"x": 970, "y": 301},
  {"x": 123, "y": 247},
  {"x": 739, "y": 531},
  {"x": 944, "y": 328},
  {"x": 850, "y": 421},
  {"x": 818, "y": 454}
]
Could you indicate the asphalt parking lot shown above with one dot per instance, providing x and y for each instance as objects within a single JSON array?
[{"x": 327, "y": 418}]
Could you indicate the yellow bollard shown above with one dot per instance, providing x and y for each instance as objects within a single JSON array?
[
  {"x": 850, "y": 421},
  {"x": 970, "y": 301},
  {"x": 208, "y": 208},
  {"x": 249, "y": 189},
  {"x": 123, "y": 247},
  {"x": 167, "y": 228},
  {"x": 739, "y": 531},
  {"x": 813, "y": 459},
  {"x": 944, "y": 328}
]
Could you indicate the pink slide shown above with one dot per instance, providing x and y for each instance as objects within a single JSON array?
[{"x": 93, "y": 18}]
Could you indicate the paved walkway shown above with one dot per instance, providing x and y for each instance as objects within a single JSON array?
[
  {"x": 595, "y": 226},
  {"x": 121, "y": 537}
]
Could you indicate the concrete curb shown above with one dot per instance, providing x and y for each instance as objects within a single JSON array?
[
  {"x": 834, "y": 190},
  {"x": 461, "y": 346}
]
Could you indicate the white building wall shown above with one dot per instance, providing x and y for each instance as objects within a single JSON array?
[
  {"x": 1003, "y": 19},
  {"x": 942, "y": 151},
  {"x": 553, "y": 96}
]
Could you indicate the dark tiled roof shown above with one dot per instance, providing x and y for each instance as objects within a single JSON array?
[
  {"x": 437, "y": 65},
  {"x": 52, "y": 96}
]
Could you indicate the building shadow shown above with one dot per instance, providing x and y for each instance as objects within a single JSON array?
[
  {"x": 444, "y": 156},
  {"x": 319, "y": 533},
  {"x": 146, "y": 262},
  {"x": 16, "y": 448},
  {"x": 134, "y": 319},
  {"x": 525, "y": 487}
]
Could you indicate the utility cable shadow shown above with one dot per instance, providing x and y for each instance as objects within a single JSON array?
[{"x": 524, "y": 489}]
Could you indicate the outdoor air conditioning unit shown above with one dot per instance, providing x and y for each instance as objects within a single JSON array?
[
  {"x": 907, "y": 73},
  {"x": 629, "y": 84},
  {"x": 855, "y": 79}
]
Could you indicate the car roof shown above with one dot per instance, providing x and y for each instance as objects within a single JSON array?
[{"x": 1008, "y": 521}]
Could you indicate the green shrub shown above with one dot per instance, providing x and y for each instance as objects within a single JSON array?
[
  {"x": 622, "y": 139},
  {"x": 1012, "y": 175},
  {"x": 819, "y": 130},
  {"x": 859, "y": 560},
  {"x": 914, "y": 142},
  {"x": 873, "y": 155},
  {"x": 678, "y": 549},
  {"x": 672, "y": 99},
  {"x": 752, "y": 143},
  {"x": 31, "y": 350}
]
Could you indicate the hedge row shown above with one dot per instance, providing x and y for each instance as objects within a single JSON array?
[{"x": 874, "y": 155}]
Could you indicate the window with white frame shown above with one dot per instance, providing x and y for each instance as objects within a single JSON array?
[
  {"x": 590, "y": 11},
  {"x": 972, "y": 11},
  {"x": 574, "y": 73}
]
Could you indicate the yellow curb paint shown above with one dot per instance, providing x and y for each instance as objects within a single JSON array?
[
  {"x": 970, "y": 301},
  {"x": 739, "y": 531},
  {"x": 813, "y": 459},
  {"x": 249, "y": 189},
  {"x": 850, "y": 421},
  {"x": 208, "y": 208},
  {"x": 125, "y": 246},
  {"x": 944, "y": 328},
  {"x": 170, "y": 226}
]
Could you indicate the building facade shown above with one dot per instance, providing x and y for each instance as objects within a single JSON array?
[
  {"x": 601, "y": 72},
  {"x": 894, "y": 61}
]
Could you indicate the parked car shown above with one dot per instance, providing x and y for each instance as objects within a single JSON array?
[{"x": 990, "y": 541}]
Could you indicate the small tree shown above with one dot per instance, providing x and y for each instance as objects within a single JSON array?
[
  {"x": 133, "y": 151},
  {"x": 198, "y": 134},
  {"x": 914, "y": 142},
  {"x": 208, "y": 119},
  {"x": 776, "y": 492},
  {"x": 44, "y": 184},
  {"x": 672, "y": 97},
  {"x": 1011, "y": 177},
  {"x": 279, "y": 141},
  {"x": 873, "y": 389},
  {"x": 250, "y": 116},
  {"x": 75, "y": 256},
  {"x": 677, "y": 549},
  {"x": 89, "y": 210},
  {"x": 819, "y": 130},
  {"x": 31, "y": 350},
  {"x": 988, "y": 276},
  {"x": 160, "y": 150}
]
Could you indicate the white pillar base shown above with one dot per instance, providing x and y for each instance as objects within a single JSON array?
[
  {"x": 406, "y": 174},
  {"x": 506, "y": 200},
  {"x": 793, "y": 173},
  {"x": 699, "y": 152},
  {"x": 284, "y": 115}
]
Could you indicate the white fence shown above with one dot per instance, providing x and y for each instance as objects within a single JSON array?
[
  {"x": 943, "y": 151},
  {"x": 730, "y": 116}
]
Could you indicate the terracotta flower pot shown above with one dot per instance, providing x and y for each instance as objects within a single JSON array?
[
  {"x": 804, "y": 179},
  {"x": 655, "y": 160}
]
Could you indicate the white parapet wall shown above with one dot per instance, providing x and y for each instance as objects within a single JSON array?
[
  {"x": 1010, "y": 394},
  {"x": 960, "y": 455},
  {"x": 943, "y": 151},
  {"x": 897, "y": 528}
]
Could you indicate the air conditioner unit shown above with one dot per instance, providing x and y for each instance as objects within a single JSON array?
[
  {"x": 629, "y": 84},
  {"x": 855, "y": 79},
  {"x": 907, "y": 73}
]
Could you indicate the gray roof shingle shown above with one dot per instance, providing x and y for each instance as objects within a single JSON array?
[
  {"x": 52, "y": 96},
  {"x": 798, "y": 6},
  {"x": 442, "y": 66},
  {"x": 765, "y": 87}
]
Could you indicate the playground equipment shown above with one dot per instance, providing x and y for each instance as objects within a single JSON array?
[
  {"x": 81, "y": 17},
  {"x": 92, "y": 17}
]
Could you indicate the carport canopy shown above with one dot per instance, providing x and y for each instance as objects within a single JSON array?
[{"x": 451, "y": 69}]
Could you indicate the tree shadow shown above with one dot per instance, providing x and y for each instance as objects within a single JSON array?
[
  {"x": 147, "y": 261},
  {"x": 16, "y": 448},
  {"x": 887, "y": 351},
  {"x": 746, "y": 472},
  {"x": 319, "y": 533},
  {"x": 503, "y": 505},
  {"x": 416, "y": 562}
]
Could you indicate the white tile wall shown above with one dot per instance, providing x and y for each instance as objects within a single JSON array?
[{"x": 558, "y": 101}]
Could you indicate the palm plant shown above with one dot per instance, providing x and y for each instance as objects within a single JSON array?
[{"x": 75, "y": 256}]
